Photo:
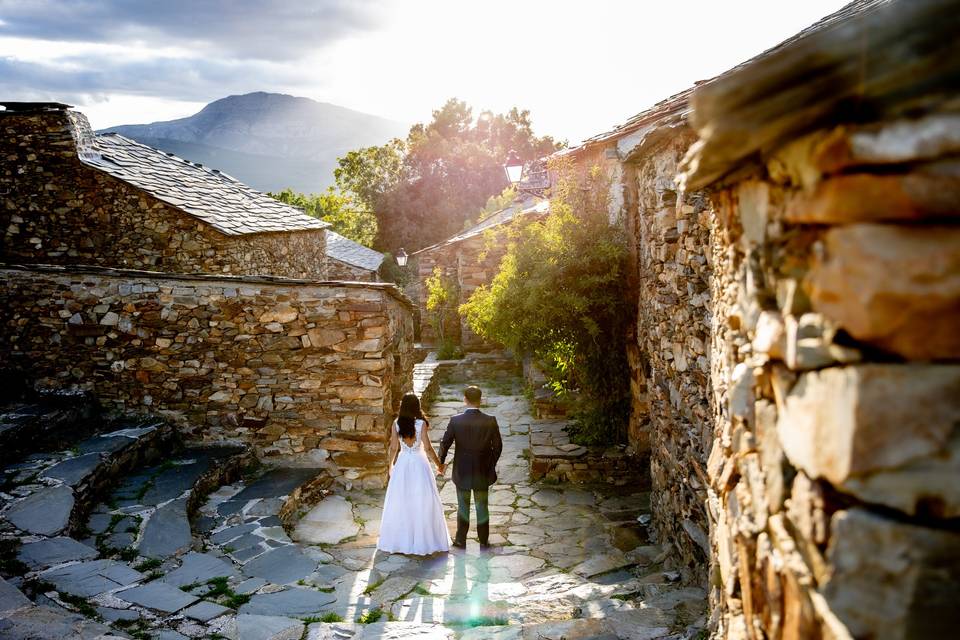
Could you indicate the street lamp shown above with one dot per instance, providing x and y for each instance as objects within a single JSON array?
[
  {"x": 402, "y": 257},
  {"x": 514, "y": 168}
]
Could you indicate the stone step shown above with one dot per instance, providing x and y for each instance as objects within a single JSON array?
[
  {"x": 44, "y": 421},
  {"x": 160, "y": 500},
  {"x": 53, "y": 492}
]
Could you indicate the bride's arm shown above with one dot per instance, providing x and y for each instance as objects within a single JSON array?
[
  {"x": 427, "y": 445},
  {"x": 392, "y": 450}
]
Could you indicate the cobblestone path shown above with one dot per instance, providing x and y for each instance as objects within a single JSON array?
[{"x": 569, "y": 562}]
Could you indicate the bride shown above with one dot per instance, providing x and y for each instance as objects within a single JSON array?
[{"x": 413, "y": 521}]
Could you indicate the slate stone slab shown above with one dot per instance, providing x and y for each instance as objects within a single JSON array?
[
  {"x": 104, "y": 444},
  {"x": 250, "y": 585},
  {"x": 247, "y": 554},
  {"x": 228, "y": 534},
  {"x": 290, "y": 602},
  {"x": 119, "y": 540},
  {"x": 281, "y": 566},
  {"x": 245, "y": 541},
  {"x": 257, "y": 627},
  {"x": 73, "y": 470},
  {"x": 276, "y": 483},
  {"x": 113, "y": 615},
  {"x": 167, "y": 531},
  {"x": 11, "y": 599},
  {"x": 205, "y": 611},
  {"x": 91, "y": 578},
  {"x": 200, "y": 567},
  {"x": 171, "y": 483},
  {"x": 46, "y": 512},
  {"x": 158, "y": 596},
  {"x": 53, "y": 551},
  {"x": 50, "y": 622},
  {"x": 99, "y": 522}
]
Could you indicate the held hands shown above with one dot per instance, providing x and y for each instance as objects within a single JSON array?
[{"x": 441, "y": 468}]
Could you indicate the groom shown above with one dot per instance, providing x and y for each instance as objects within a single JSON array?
[{"x": 478, "y": 446}]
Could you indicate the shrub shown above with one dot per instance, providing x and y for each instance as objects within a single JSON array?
[{"x": 560, "y": 296}]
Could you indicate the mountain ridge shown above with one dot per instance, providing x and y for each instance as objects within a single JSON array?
[{"x": 268, "y": 140}]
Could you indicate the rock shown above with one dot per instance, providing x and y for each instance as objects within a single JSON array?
[
  {"x": 393, "y": 588},
  {"x": 159, "y": 596},
  {"x": 42, "y": 622},
  {"x": 330, "y": 522},
  {"x": 167, "y": 531},
  {"x": 841, "y": 422},
  {"x": 910, "y": 590},
  {"x": 45, "y": 512},
  {"x": 72, "y": 470},
  {"x": 224, "y": 536},
  {"x": 11, "y": 599},
  {"x": 515, "y": 566},
  {"x": 250, "y": 585},
  {"x": 199, "y": 567},
  {"x": 256, "y": 627},
  {"x": 91, "y": 578},
  {"x": 381, "y": 631},
  {"x": 293, "y": 601},
  {"x": 53, "y": 551},
  {"x": 925, "y": 487},
  {"x": 602, "y": 563},
  {"x": 283, "y": 565},
  {"x": 896, "y": 288},
  {"x": 205, "y": 611}
]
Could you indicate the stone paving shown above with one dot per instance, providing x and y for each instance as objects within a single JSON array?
[{"x": 569, "y": 561}]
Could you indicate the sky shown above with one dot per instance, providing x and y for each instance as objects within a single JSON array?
[{"x": 580, "y": 67}]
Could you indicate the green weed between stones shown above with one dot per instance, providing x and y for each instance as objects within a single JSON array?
[
  {"x": 82, "y": 606},
  {"x": 327, "y": 618},
  {"x": 373, "y": 586},
  {"x": 148, "y": 565},
  {"x": 10, "y": 565},
  {"x": 371, "y": 616},
  {"x": 138, "y": 628}
]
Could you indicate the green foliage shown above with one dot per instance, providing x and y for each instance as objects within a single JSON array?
[
  {"x": 559, "y": 296},
  {"x": 442, "y": 297},
  {"x": 371, "y": 616},
  {"x": 449, "y": 350},
  {"x": 390, "y": 271},
  {"x": 327, "y": 617},
  {"x": 344, "y": 214},
  {"x": 422, "y": 189}
]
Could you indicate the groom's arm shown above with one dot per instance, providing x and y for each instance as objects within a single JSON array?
[
  {"x": 497, "y": 444},
  {"x": 446, "y": 441}
]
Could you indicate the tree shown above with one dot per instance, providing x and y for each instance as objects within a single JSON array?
[
  {"x": 341, "y": 211},
  {"x": 559, "y": 296},
  {"x": 422, "y": 189}
]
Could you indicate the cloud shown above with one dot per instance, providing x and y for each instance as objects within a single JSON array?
[
  {"x": 94, "y": 78},
  {"x": 273, "y": 30}
]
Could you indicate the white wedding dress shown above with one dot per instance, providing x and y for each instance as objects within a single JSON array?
[{"x": 413, "y": 521}]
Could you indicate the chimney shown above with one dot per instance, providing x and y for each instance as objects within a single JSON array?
[{"x": 43, "y": 130}]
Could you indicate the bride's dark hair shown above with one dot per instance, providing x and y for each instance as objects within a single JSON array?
[{"x": 408, "y": 415}]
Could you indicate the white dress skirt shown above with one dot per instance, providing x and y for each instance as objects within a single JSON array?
[{"x": 413, "y": 521}]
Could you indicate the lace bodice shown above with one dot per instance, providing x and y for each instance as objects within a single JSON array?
[{"x": 417, "y": 446}]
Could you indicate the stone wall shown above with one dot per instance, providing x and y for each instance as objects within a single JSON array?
[
  {"x": 669, "y": 350},
  {"x": 54, "y": 209},
  {"x": 834, "y": 468},
  {"x": 304, "y": 371},
  {"x": 339, "y": 270}
]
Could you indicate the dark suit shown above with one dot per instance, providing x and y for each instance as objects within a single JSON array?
[{"x": 477, "y": 447}]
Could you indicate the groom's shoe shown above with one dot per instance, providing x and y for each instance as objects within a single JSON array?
[{"x": 458, "y": 544}]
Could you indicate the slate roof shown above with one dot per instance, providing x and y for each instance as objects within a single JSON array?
[
  {"x": 539, "y": 208},
  {"x": 352, "y": 253},
  {"x": 223, "y": 202}
]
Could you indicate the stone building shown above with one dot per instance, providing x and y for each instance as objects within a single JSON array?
[
  {"x": 468, "y": 259},
  {"x": 72, "y": 197},
  {"x": 795, "y": 264},
  {"x": 228, "y": 325},
  {"x": 349, "y": 260}
]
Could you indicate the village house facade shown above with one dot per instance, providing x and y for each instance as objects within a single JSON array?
[
  {"x": 794, "y": 356},
  {"x": 169, "y": 288}
]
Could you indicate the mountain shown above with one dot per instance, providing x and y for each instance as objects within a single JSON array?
[{"x": 268, "y": 140}]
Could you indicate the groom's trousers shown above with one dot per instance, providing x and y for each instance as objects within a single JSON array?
[{"x": 463, "y": 515}]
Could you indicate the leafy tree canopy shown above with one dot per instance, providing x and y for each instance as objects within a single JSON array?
[
  {"x": 422, "y": 189},
  {"x": 342, "y": 211}
]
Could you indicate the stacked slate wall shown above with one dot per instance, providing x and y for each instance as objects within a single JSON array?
[{"x": 306, "y": 372}]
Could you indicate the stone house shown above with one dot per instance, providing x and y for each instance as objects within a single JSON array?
[
  {"x": 72, "y": 197},
  {"x": 469, "y": 259},
  {"x": 795, "y": 356},
  {"x": 228, "y": 325},
  {"x": 349, "y": 260}
]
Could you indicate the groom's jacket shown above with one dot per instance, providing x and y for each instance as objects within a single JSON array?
[{"x": 476, "y": 437}]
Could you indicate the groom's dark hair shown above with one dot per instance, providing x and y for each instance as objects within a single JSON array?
[{"x": 473, "y": 394}]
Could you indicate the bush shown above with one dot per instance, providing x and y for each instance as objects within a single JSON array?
[{"x": 559, "y": 296}]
